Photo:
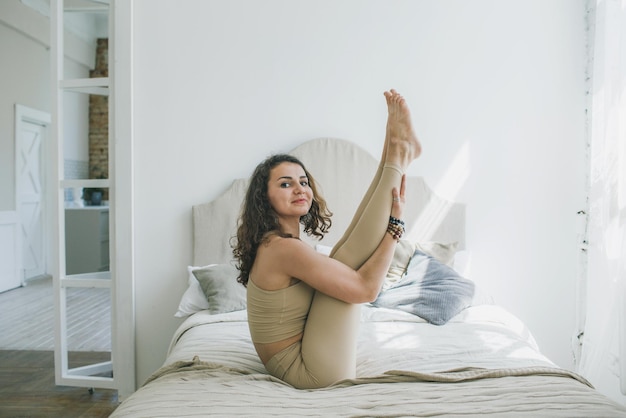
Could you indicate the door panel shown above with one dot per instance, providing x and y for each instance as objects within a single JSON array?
[{"x": 29, "y": 169}]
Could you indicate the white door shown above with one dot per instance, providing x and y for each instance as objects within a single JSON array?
[{"x": 30, "y": 140}]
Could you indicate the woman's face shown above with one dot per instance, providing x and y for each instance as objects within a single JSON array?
[{"x": 288, "y": 190}]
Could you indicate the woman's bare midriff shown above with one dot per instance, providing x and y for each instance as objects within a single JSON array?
[{"x": 269, "y": 350}]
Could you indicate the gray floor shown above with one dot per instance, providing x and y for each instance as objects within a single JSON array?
[{"x": 27, "y": 318}]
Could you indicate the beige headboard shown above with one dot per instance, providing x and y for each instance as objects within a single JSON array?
[{"x": 343, "y": 172}]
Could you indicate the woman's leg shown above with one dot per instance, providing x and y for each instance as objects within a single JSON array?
[
  {"x": 405, "y": 147},
  {"x": 329, "y": 342},
  {"x": 368, "y": 194},
  {"x": 398, "y": 125}
]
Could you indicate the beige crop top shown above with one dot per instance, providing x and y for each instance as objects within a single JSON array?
[{"x": 275, "y": 315}]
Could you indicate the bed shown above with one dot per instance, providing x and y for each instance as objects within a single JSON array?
[{"x": 419, "y": 353}]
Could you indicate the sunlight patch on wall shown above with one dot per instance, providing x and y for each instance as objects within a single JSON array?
[
  {"x": 456, "y": 174},
  {"x": 429, "y": 223}
]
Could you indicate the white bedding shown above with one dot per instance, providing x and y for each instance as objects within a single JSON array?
[
  {"x": 389, "y": 339},
  {"x": 213, "y": 370}
]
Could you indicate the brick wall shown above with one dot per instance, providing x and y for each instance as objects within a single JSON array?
[{"x": 99, "y": 119}]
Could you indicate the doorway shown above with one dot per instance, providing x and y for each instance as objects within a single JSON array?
[{"x": 30, "y": 141}]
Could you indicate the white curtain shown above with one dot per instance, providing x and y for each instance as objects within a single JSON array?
[{"x": 604, "y": 338}]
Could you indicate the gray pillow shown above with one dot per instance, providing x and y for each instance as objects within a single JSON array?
[
  {"x": 430, "y": 289},
  {"x": 220, "y": 286},
  {"x": 404, "y": 252}
]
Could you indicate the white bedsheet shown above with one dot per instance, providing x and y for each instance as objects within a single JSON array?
[{"x": 484, "y": 336}]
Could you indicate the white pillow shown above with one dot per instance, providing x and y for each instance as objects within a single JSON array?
[
  {"x": 193, "y": 300},
  {"x": 323, "y": 249}
]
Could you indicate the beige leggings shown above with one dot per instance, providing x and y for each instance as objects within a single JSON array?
[{"x": 327, "y": 352}]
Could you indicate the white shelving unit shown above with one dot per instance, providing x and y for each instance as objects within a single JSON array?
[{"x": 118, "y": 373}]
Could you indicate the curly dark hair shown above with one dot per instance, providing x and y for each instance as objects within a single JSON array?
[{"x": 258, "y": 219}]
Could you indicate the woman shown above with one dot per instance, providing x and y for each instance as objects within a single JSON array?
[{"x": 303, "y": 307}]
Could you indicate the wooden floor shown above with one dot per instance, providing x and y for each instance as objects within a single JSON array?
[
  {"x": 28, "y": 388},
  {"x": 27, "y": 318}
]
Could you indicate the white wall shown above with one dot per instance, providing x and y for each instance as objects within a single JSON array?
[
  {"x": 25, "y": 79},
  {"x": 497, "y": 93},
  {"x": 10, "y": 257}
]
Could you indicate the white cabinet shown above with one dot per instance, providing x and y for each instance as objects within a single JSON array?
[{"x": 86, "y": 239}]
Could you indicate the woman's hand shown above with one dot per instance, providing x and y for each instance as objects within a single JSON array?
[{"x": 398, "y": 199}]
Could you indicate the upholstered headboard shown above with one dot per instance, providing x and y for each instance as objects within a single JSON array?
[{"x": 343, "y": 172}]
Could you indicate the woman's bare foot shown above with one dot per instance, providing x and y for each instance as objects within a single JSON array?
[{"x": 402, "y": 145}]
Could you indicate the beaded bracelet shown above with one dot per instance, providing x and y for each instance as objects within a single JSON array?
[
  {"x": 396, "y": 221},
  {"x": 395, "y": 228}
]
